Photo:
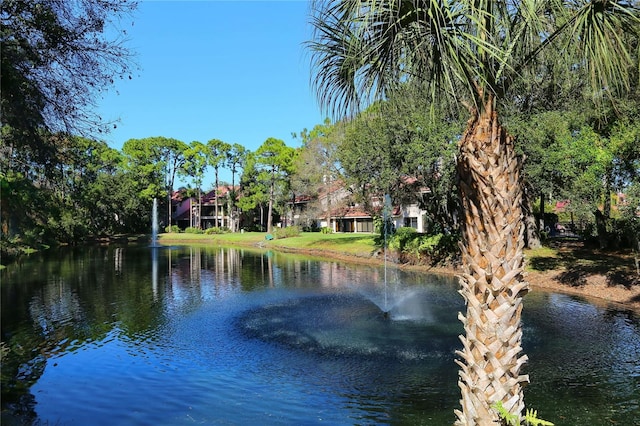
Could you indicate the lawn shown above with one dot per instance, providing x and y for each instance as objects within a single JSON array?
[{"x": 361, "y": 245}]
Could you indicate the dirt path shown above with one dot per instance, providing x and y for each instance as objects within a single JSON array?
[
  {"x": 602, "y": 276},
  {"x": 596, "y": 287},
  {"x": 600, "y": 288}
]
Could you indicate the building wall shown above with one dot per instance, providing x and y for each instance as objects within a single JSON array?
[{"x": 411, "y": 211}]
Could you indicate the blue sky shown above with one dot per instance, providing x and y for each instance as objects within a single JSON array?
[{"x": 236, "y": 71}]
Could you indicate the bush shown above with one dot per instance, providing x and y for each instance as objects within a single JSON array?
[
  {"x": 173, "y": 228},
  {"x": 312, "y": 228},
  {"x": 326, "y": 230},
  {"x": 422, "y": 248},
  {"x": 192, "y": 230},
  {"x": 403, "y": 236},
  {"x": 424, "y": 245},
  {"x": 289, "y": 231},
  {"x": 381, "y": 228},
  {"x": 625, "y": 233},
  {"x": 217, "y": 230}
]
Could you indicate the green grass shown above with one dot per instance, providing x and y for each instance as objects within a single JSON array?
[
  {"x": 352, "y": 244},
  {"x": 536, "y": 258}
]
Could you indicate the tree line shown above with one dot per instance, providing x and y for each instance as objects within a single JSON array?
[{"x": 395, "y": 147}]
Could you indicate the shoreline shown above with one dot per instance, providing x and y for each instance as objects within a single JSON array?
[
  {"x": 594, "y": 289},
  {"x": 601, "y": 286}
]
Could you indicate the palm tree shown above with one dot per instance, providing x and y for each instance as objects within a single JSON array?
[{"x": 474, "y": 54}]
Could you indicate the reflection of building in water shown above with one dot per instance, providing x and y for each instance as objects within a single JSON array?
[
  {"x": 194, "y": 263},
  {"x": 335, "y": 274},
  {"x": 214, "y": 272},
  {"x": 204, "y": 272},
  {"x": 117, "y": 259}
]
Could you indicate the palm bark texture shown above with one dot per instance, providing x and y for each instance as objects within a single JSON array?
[{"x": 492, "y": 282}]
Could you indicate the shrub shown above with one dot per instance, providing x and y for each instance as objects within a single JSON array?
[
  {"x": 401, "y": 238},
  {"x": 192, "y": 230},
  {"x": 431, "y": 249},
  {"x": 217, "y": 230},
  {"x": 173, "y": 228},
  {"x": 625, "y": 233},
  {"x": 381, "y": 228},
  {"x": 289, "y": 231},
  {"x": 311, "y": 228},
  {"x": 326, "y": 230},
  {"x": 425, "y": 245},
  {"x": 530, "y": 418}
]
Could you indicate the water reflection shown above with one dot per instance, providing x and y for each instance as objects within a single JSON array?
[{"x": 209, "y": 334}]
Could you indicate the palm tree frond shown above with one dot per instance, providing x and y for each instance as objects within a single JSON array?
[
  {"x": 598, "y": 32},
  {"x": 360, "y": 50}
]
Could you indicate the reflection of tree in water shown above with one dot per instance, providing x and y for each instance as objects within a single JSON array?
[
  {"x": 53, "y": 305},
  {"x": 55, "y": 322},
  {"x": 20, "y": 370}
]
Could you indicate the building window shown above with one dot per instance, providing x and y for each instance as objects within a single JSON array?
[
  {"x": 411, "y": 222},
  {"x": 364, "y": 225}
]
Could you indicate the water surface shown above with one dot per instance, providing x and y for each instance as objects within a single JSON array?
[{"x": 183, "y": 335}]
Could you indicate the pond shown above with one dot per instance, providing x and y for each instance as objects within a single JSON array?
[{"x": 211, "y": 335}]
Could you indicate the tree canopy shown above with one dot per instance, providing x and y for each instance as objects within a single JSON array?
[
  {"x": 274, "y": 162},
  {"x": 57, "y": 59}
]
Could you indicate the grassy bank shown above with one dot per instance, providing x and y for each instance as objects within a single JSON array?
[
  {"x": 567, "y": 267},
  {"x": 560, "y": 256},
  {"x": 359, "y": 245}
]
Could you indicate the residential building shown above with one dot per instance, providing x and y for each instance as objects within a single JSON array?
[
  {"x": 186, "y": 209},
  {"x": 332, "y": 208},
  {"x": 347, "y": 216}
]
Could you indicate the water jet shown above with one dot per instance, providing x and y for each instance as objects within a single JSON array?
[{"x": 154, "y": 223}]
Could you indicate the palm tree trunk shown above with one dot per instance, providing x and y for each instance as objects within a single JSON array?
[
  {"x": 199, "y": 208},
  {"x": 216, "y": 195},
  {"x": 270, "y": 212},
  {"x": 543, "y": 217},
  {"x": 491, "y": 283},
  {"x": 532, "y": 233},
  {"x": 602, "y": 219},
  {"x": 328, "y": 188},
  {"x": 232, "y": 198},
  {"x": 169, "y": 198}
]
